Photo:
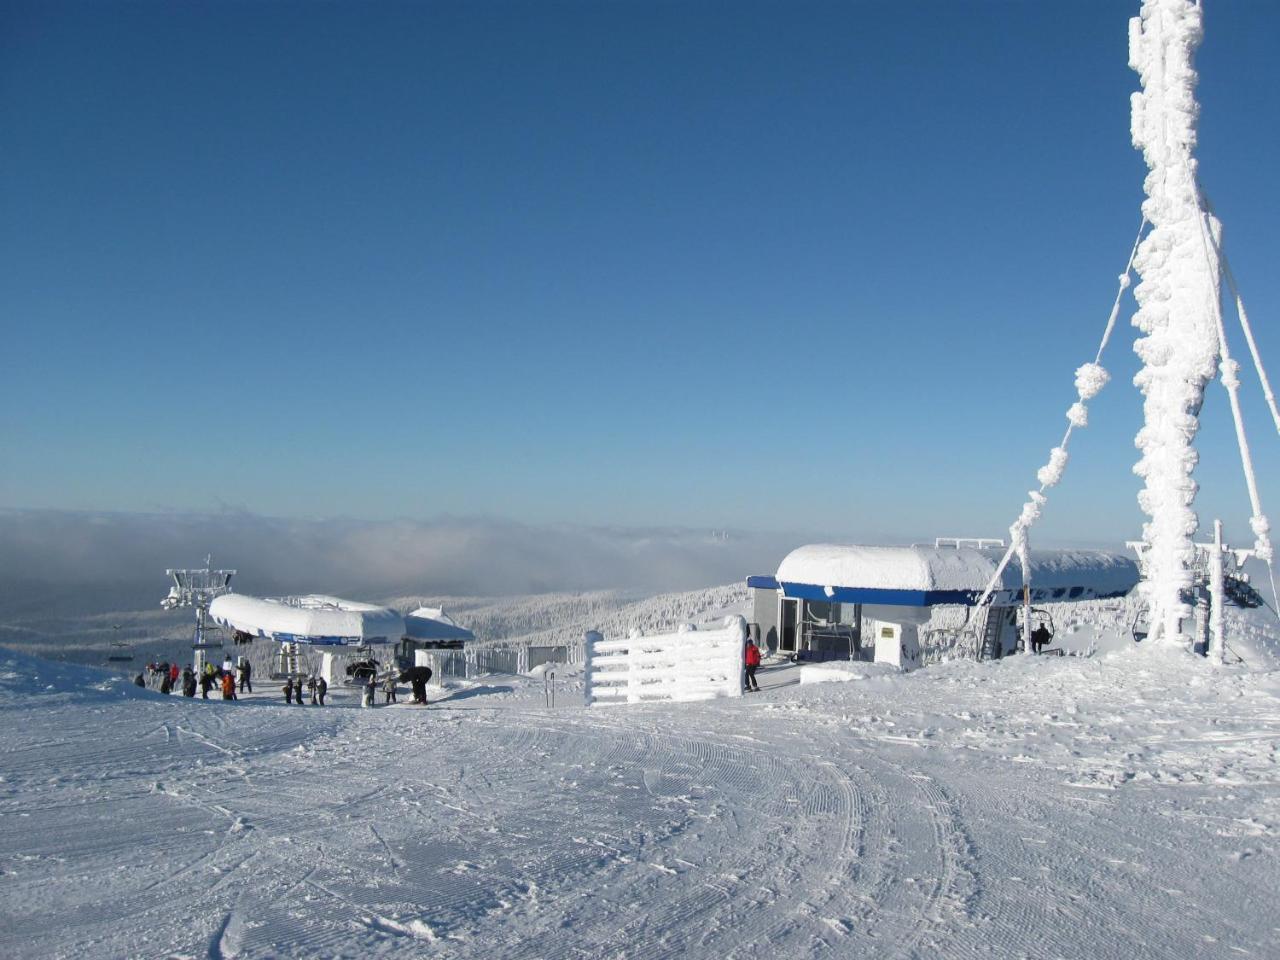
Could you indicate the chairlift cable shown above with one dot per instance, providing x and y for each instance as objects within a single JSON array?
[{"x": 1031, "y": 510}]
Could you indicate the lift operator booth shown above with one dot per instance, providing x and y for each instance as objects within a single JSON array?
[{"x": 830, "y": 601}]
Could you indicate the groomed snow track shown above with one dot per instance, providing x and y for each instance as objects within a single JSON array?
[{"x": 778, "y": 826}]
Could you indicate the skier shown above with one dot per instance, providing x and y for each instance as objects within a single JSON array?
[
  {"x": 166, "y": 685},
  {"x": 311, "y": 689},
  {"x": 228, "y": 686},
  {"x": 369, "y": 689},
  {"x": 389, "y": 689},
  {"x": 138, "y": 681},
  {"x": 417, "y": 678},
  {"x": 1040, "y": 637},
  {"x": 753, "y": 662},
  {"x": 322, "y": 687},
  {"x": 246, "y": 675},
  {"x": 173, "y": 676},
  {"x": 188, "y": 683},
  {"x": 206, "y": 684},
  {"x": 288, "y": 692}
]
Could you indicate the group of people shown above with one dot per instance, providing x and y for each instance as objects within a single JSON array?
[
  {"x": 224, "y": 679},
  {"x": 295, "y": 688},
  {"x": 166, "y": 677},
  {"x": 369, "y": 693}
]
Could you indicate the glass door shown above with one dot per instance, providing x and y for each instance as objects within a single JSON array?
[{"x": 788, "y": 618}]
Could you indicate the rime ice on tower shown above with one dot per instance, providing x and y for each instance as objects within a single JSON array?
[{"x": 1176, "y": 299}]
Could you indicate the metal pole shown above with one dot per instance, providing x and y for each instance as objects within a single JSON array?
[
  {"x": 198, "y": 647},
  {"x": 1025, "y": 562},
  {"x": 1217, "y": 639},
  {"x": 589, "y": 641}
]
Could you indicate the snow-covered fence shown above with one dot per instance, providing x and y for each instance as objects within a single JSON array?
[
  {"x": 688, "y": 665},
  {"x": 506, "y": 657}
]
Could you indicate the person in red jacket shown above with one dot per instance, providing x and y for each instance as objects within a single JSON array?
[
  {"x": 228, "y": 686},
  {"x": 753, "y": 661}
]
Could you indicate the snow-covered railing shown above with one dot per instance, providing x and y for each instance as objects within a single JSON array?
[
  {"x": 977, "y": 543},
  {"x": 513, "y": 657},
  {"x": 688, "y": 665}
]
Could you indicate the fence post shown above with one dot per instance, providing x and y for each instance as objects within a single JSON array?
[
  {"x": 589, "y": 640},
  {"x": 738, "y": 627},
  {"x": 633, "y": 675}
]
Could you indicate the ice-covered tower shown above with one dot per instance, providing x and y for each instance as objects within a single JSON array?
[{"x": 1176, "y": 299}]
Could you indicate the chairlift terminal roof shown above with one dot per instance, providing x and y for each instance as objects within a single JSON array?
[
  {"x": 432, "y": 623},
  {"x": 925, "y": 575},
  {"x": 313, "y": 619}
]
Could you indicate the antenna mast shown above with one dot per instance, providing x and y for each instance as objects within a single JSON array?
[{"x": 1176, "y": 296}]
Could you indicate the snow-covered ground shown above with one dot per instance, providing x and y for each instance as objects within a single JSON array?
[{"x": 1125, "y": 805}]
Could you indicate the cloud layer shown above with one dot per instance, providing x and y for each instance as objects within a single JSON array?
[{"x": 97, "y": 561}]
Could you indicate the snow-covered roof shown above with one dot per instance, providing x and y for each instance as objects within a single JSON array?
[
  {"x": 432, "y": 623},
  {"x": 314, "y": 619},
  {"x": 925, "y": 575}
]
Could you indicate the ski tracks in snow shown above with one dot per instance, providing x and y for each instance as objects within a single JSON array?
[
  {"x": 778, "y": 854},
  {"x": 712, "y": 830}
]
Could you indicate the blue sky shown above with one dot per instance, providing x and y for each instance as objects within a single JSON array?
[{"x": 826, "y": 267}]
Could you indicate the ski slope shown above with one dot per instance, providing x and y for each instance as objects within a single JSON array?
[{"x": 1118, "y": 806}]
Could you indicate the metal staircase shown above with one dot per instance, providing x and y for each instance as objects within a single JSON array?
[{"x": 993, "y": 626}]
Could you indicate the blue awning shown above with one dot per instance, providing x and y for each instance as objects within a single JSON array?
[
  {"x": 892, "y": 598},
  {"x": 328, "y": 641}
]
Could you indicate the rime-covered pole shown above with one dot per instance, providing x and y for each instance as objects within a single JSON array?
[
  {"x": 1217, "y": 597},
  {"x": 1179, "y": 346}
]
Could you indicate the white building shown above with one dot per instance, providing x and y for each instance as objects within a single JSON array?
[{"x": 830, "y": 601}]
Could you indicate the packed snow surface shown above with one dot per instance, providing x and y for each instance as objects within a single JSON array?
[{"x": 1125, "y": 806}]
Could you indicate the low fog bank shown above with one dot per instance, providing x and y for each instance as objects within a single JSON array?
[{"x": 84, "y": 563}]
